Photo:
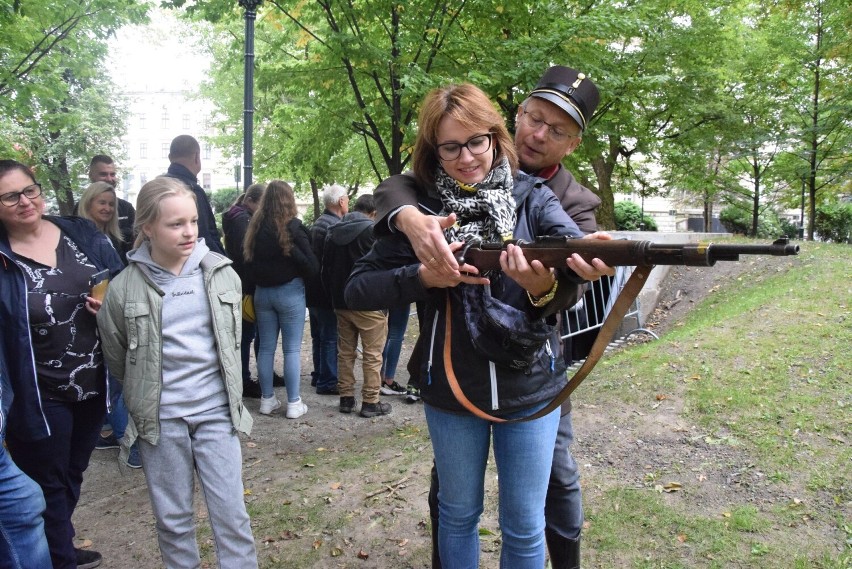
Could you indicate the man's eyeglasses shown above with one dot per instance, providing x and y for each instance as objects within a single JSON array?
[
  {"x": 479, "y": 144},
  {"x": 535, "y": 122},
  {"x": 12, "y": 198}
]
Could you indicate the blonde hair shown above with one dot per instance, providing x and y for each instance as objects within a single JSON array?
[
  {"x": 472, "y": 108},
  {"x": 89, "y": 194},
  {"x": 277, "y": 207},
  {"x": 148, "y": 202}
]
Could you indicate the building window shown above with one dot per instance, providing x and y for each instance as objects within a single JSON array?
[
  {"x": 143, "y": 150},
  {"x": 186, "y": 122},
  {"x": 207, "y": 183},
  {"x": 207, "y": 152},
  {"x": 165, "y": 118},
  {"x": 164, "y": 150},
  {"x": 142, "y": 121}
]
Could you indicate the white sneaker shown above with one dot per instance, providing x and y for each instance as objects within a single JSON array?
[
  {"x": 296, "y": 409},
  {"x": 269, "y": 404}
]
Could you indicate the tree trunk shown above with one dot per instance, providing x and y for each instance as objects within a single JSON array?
[
  {"x": 604, "y": 165},
  {"x": 315, "y": 194}
]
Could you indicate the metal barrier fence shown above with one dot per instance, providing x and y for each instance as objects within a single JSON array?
[{"x": 582, "y": 321}]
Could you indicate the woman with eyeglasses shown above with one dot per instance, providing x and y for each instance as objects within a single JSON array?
[
  {"x": 49, "y": 265},
  {"x": 465, "y": 166}
]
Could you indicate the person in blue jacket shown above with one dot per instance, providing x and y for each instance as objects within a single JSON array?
[
  {"x": 22, "y": 541},
  {"x": 48, "y": 266}
]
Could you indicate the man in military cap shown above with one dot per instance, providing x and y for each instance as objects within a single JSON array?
[{"x": 550, "y": 124}]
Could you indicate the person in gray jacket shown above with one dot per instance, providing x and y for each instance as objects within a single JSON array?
[{"x": 170, "y": 326}]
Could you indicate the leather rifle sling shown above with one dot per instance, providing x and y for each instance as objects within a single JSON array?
[{"x": 610, "y": 326}]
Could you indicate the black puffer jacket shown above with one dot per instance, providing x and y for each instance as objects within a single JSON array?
[{"x": 387, "y": 276}]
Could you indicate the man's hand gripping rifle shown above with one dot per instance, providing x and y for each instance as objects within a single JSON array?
[{"x": 552, "y": 251}]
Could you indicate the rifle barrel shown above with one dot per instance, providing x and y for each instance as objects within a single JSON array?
[{"x": 554, "y": 251}]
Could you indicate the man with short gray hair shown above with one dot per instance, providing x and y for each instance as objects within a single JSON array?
[{"x": 322, "y": 317}]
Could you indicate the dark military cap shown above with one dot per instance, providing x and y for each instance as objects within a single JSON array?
[{"x": 569, "y": 90}]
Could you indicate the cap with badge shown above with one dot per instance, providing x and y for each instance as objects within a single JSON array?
[{"x": 571, "y": 91}]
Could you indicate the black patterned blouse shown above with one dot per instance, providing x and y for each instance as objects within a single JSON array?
[{"x": 66, "y": 345}]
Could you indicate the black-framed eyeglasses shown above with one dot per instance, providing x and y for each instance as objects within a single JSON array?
[
  {"x": 476, "y": 145},
  {"x": 535, "y": 122},
  {"x": 31, "y": 192}
]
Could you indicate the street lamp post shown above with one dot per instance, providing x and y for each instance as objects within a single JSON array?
[{"x": 251, "y": 7}]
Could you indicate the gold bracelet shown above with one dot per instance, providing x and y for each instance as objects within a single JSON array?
[{"x": 539, "y": 301}]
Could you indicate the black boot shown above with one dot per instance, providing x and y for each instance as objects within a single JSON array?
[
  {"x": 433, "y": 514},
  {"x": 564, "y": 552},
  {"x": 436, "y": 556}
]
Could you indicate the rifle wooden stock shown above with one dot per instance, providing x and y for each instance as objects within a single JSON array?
[{"x": 553, "y": 251}]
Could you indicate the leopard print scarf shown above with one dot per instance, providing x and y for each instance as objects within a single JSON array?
[{"x": 485, "y": 211}]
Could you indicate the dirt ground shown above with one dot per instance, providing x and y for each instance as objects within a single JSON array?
[{"x": 381, "y": 500}]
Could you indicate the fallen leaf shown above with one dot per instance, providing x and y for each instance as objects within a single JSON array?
[
  {"x": 336, "y": 552},
  {"x": 726, "y": 514},
  {"x": 308, "y": 465},
  {"x": 363, "y": 554},
  {"x": 662, "y": 397},
  {"x": 247, "y": 492},
  {"x": 317, "y": 544},
  {"x": 86, "y": 544},
  {"x": 251, "y": 444},
  {"x": 681, "y": 537},
  {"x": 335, "y": 485},
  {"x": 672, "y": 487}
]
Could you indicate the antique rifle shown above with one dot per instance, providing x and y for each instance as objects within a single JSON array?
[{"x": 553, "y": 251}]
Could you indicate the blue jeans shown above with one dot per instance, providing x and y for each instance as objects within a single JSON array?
[
  {"x": 324, "y": 342},
  {"x": 397, "y": 323},
  {"x": 22, "y": 541},
  {"x": 523, "y": 453},
  {"x": 117, "y": 415},
  {"x": 205, "y": 444},
  {"x": 57, "y": 464},
  {"x": 564, "y": 507},
  {"x": 280, "y": 309}
]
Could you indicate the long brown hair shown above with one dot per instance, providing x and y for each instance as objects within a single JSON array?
[
  {"x": 472, "y": 108},
  {"x": 277, "y": 207}
]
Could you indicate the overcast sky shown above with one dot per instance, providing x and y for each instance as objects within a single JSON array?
[{"x": 157, "y": 56}]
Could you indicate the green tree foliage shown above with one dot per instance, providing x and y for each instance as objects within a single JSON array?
[
  {"x": 629, "y": 217},
  {"x": 57, "y": 101},
  {"x": 717, "y": 93},
  {"x": 223, "y": 199},
  {"x": 739, "y": 220},
  {"x": 834, "y": 222}
]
